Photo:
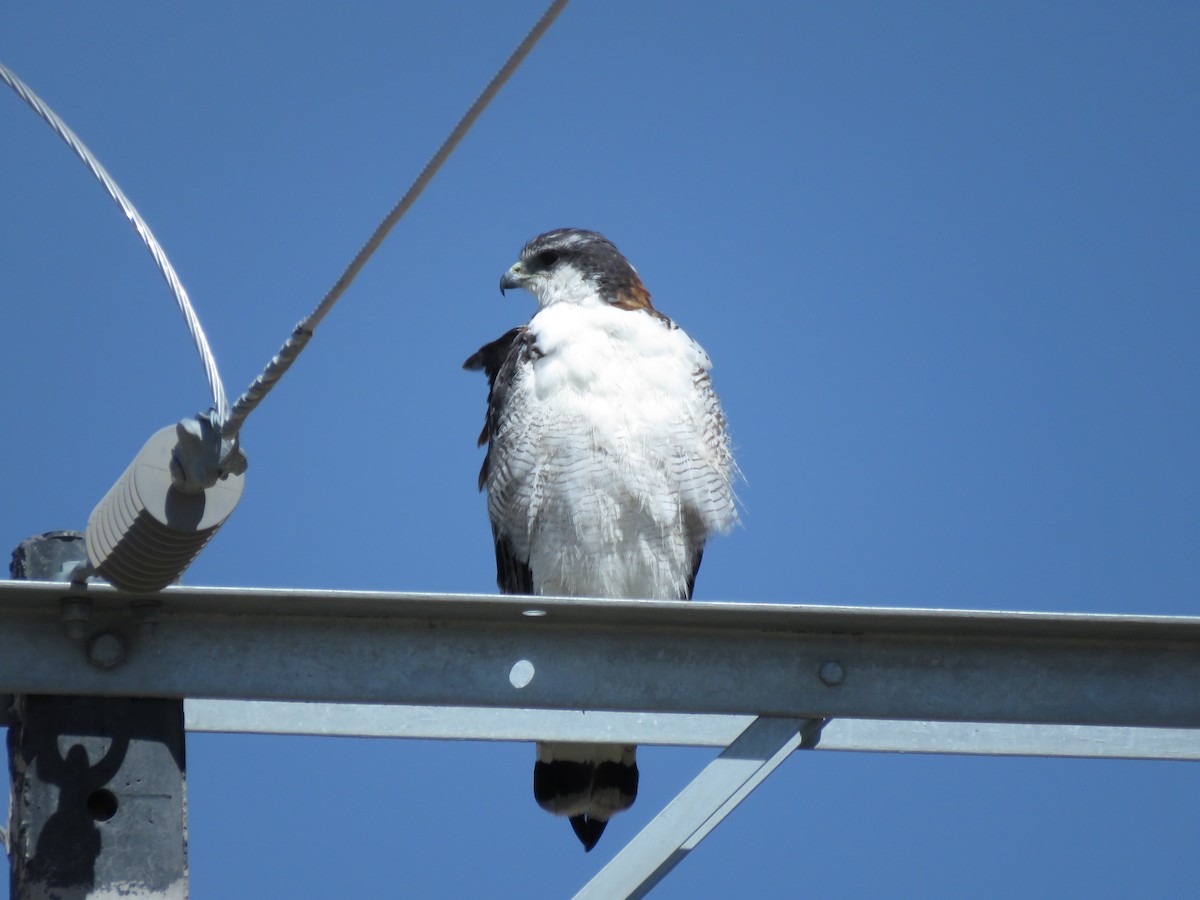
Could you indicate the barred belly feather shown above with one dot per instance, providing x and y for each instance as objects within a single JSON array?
[{"x": 609, "y": 477}]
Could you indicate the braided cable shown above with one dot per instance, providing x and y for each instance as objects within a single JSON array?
[
  {"x": 22, "y": 90},
  {"x": 303, "y": 332}
]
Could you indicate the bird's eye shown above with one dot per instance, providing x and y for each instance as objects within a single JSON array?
[{"x": 546, "y": 258}]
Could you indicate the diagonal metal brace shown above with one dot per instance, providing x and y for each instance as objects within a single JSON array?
[{"x": 699, "y": 808}]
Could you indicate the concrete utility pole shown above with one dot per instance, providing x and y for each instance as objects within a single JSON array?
[{"x": 99, "y": 807}]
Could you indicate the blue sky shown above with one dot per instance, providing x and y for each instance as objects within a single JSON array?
[{"x": 944, "y": 259}]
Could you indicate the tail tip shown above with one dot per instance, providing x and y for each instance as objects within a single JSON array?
[{"x": 588, "y": 830}]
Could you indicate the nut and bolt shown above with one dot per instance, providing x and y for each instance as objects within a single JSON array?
[
  {"x": 75, "y": 615},
  {"x": 832, "y": 673},
  {"x": 145, "y": 617},
  {"x": 106, "y": 650}
]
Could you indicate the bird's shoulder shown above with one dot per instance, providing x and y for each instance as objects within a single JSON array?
[{"x": 492, "y": 356}]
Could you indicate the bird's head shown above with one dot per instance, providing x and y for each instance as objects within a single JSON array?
[{"x": 570, "y": 265}]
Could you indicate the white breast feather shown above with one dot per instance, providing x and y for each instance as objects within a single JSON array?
[{"x": 611, "y": 463}]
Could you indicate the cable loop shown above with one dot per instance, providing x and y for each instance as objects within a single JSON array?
[
  {"x": 230, "y": 420},
  {"x": 216, "y": 387}
]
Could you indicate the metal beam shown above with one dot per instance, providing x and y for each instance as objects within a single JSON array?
[
  {"x": 751, "y": 678},
  {"x": 462, "y": 723},
  {"x": 648, "y": 656},
  {"x": 478, "y": 723},
  {"x": 699, "y": 808}
]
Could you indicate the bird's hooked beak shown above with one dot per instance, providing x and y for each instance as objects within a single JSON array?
[{"x": 515, "y": 277}]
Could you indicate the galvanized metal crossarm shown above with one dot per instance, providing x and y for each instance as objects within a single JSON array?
[{"x": 646, "y": 656}]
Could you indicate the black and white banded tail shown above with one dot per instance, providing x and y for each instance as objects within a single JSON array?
[{"x": 589, "y": 783}]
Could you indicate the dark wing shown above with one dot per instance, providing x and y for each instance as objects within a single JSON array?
[
  {"x": 513, "y": 576},
  {"x": 498, "y": 359},
  {"x": 691, "y": 585}
]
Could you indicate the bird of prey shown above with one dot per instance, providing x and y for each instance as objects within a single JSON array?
[{"x": 608, "y": 466}]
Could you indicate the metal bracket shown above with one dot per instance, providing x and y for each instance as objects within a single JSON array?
[{"x": 700, "y": 807}]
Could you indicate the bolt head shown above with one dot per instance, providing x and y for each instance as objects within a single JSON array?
[
  {"x": 832, "y": 673},
  {"x": 106, "y": 650}
]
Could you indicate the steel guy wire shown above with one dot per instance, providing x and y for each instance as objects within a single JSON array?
[
  {"x": 231, "y": 420},
  {"x": 303, "y": 332},
  {"x": 217, "y": 389}
]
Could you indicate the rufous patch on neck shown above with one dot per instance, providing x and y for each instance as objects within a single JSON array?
[{"x": 632, "y": 296}]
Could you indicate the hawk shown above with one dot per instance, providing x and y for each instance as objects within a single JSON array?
[{"x": 608, "y": 466}]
